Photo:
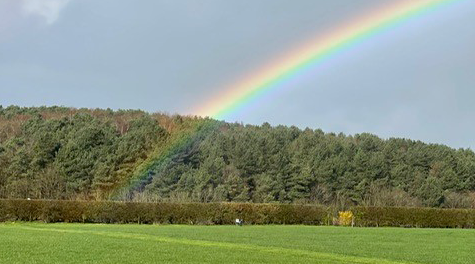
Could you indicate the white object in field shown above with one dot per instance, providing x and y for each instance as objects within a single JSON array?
[
  {"x": 28, "y": 199},
  {"x": 239, "y": 221}
]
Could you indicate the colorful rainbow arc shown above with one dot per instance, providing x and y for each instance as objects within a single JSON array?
[
  {"x": 323, "y": 48},
  {"x": 270, "y": 78}
]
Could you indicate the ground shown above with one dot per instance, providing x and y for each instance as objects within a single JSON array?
[{"x": 99, "y": 243}]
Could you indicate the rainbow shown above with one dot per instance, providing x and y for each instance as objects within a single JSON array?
[
  {"x": 269, "y": 78},
  {"x": 314, "y": 53}
]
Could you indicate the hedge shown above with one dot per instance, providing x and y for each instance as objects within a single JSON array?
[
  {"x": 225, "y": 213},
  {"x": 414, "y": 217},
  {"x": 170, "y": 213}
]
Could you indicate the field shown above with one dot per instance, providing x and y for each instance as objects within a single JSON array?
[{"x": 98, "y": 243}]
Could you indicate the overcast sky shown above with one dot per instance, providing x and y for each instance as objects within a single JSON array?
[{"x": 416, "y": 81}]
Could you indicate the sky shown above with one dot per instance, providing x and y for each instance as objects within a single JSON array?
[{"x": 415, "y": 81}]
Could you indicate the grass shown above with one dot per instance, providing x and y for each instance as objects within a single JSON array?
[{"x": 96, "y": 243}]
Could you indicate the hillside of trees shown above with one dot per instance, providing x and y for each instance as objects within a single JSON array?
[{"x": 93, "y": 154}]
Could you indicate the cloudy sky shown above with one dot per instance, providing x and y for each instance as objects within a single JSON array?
[{"x": 416, "y": 81}]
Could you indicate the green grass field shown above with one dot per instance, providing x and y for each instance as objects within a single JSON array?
[{"x": 95, "y": 243}]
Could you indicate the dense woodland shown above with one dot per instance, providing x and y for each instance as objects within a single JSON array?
[{"x": 93, "y": 154}]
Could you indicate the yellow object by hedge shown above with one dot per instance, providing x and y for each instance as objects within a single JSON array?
[{"x": 345, "y": 218}]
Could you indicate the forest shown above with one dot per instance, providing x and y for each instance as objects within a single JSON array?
[{"x": 100, "y": 154}]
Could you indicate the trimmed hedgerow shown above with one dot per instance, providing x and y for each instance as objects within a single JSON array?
[
  {"x": 172, "y": 213},
  {"x": 414, "y": 217},
  {"x": 226, "y": 213}
]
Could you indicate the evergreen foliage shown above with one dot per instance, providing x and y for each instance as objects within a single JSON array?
[{"x": 93, "y": 154}]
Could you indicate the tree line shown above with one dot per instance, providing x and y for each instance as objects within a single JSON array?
[{"x": 66, "y": 153}]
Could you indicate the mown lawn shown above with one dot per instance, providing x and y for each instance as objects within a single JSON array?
[{"x": 95, "y": 243}]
